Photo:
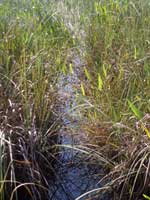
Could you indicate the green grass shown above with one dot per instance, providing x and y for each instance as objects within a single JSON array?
[
  {"x": 117, "y": 85},
  {"x": 113, "y": 39},
  {"x": 118, "y": 52},
  {"x": 34, "y": 47}
]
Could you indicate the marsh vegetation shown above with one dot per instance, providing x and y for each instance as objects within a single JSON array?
[{"x": 74, "y": 80}]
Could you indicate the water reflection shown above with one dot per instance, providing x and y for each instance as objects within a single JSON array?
[{"x": 75, "y": 174}]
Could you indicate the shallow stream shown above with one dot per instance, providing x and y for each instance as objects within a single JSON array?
[{"x": 75, "y": 175}]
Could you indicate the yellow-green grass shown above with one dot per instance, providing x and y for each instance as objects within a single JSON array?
[
  {"x": 34, "y": 45},
  {"x": 114, "y": 37},
  {"x": 117, "y": 85}
]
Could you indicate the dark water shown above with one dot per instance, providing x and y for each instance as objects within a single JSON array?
[{"x": 75, "y": 173}]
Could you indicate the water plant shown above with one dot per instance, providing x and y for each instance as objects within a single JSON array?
[
  {"x": 112, "y": 37},
  {"x": 34, "y": 47},
  {"x": 117, "y": 61}
]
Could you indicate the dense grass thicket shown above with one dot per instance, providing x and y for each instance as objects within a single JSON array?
[
  {"x": 34, "y": 45},
  {"x": 36, "y": 39},
  {"x": 117, "y": 55}
]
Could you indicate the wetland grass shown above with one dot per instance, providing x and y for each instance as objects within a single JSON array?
[
  {"x": 114, "y": 36},
  {"x": 118, "y": 86},
  {"x": 33, "y": 45}
]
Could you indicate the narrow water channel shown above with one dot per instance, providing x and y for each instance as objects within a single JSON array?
[{"x": 75, "y": 175}]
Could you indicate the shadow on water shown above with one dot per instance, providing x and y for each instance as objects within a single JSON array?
[{"x": 75, "y": 173}]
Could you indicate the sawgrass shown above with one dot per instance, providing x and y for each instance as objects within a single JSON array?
[
  {"x": 34, "y": 45},
  {"x": 117, "y": 85},
  {"x": 113, "y": 40}
]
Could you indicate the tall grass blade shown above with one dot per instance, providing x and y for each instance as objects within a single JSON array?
[
  {"x": 82, "y": 89},
  {"x": 100, "y": 82},
  {"x": 146, "y": 197},
  {"x": 136, "y": 111}
]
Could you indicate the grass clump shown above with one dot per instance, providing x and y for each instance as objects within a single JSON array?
[
  {"x": 34, "y": 47},
  {"x": 117, "y": 84}
]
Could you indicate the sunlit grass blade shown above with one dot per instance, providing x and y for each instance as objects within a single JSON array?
[
  {"x": 87, "y": 74},
  {"x": 100, "y": 82},
  {"x": 82, "y": 89},
  {"x": 136, "y": 111},
  {"x": 71, "y": 68},
  {"x": 146, "y": 197}
]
